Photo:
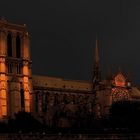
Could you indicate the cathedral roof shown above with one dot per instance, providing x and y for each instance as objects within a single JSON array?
[
  {"x": 135, "y": 93},
  {"x": 53, "y": 82}
]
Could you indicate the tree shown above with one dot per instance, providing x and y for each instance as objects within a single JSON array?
[
  {"x": 24, "y": 122},
  {"x": 125, "y": 114}
]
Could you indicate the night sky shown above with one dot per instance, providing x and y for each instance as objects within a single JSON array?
[{"x": 63, "y": 35}]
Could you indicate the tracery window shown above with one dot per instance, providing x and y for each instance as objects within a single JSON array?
[
  {"x": 119, "y": 94},
  {"x": 120, "y": 90},
  {"x": 120, "y": 80}
]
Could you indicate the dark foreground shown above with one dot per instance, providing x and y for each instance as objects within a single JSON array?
[{"x": 60, "y": 136}]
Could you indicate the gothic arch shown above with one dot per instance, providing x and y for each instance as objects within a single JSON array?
[
  {"x": 18, "y": 46},
  {"x": 9, "y": 45}
]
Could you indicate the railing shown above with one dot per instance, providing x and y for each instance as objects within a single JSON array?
[{"x": 43, "y": 136}]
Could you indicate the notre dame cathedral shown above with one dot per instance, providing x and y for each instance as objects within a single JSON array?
[{"x": 53, "y": 100}]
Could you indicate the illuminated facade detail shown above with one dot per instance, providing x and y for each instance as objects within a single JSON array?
[
  {"x": 14, "y": 69},
  {"x": 120, "y": 90},
  {"x": 120, "y": 94},
  {"x": 120, "y": 80}
]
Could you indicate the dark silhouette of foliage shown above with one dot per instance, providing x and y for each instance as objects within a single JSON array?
[
  {"x": 125, "y": 114},
  {"x": 24, "y": 122}
]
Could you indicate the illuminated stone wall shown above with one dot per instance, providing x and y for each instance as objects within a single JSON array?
[
  {"x": 15, "y": 69},
  {"x": 3, "y": 77}
]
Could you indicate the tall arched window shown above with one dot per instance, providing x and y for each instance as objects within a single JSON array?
[
  {"x": 18, "y": 47},
  {"x": 9, "y": 45}
]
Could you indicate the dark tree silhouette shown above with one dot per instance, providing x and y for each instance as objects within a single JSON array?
[
  {"x": 24, "y": 122},
  {"x": 125, "y": 114}
]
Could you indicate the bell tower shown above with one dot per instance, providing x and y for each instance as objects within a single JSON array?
[{"x": 15, "y": 69}]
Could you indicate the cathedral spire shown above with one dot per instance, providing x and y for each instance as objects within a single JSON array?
[
  {"x": 96, "y": 69},
  {"x": 96, "y": 53}
]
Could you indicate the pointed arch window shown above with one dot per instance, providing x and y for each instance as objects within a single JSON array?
[
  {"x": 9, "y": 45},
  {"x": 18, "y": 47}
]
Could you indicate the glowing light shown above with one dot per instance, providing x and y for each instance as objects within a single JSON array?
[
  {"x": 120, "y": 80},
  {"x": 120, "y": 94}
]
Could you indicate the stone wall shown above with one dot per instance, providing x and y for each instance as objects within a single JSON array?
[{"x": 63, "y": 109}]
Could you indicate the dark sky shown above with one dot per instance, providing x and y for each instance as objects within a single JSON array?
[{"x": 63, "y": 35}]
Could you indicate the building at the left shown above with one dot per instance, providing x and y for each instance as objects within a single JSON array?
[{"x": 15, "y": 69}]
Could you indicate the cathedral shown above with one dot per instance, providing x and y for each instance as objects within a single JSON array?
[{"x": 54, "y": 101}]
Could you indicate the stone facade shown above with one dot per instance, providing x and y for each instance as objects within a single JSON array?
[
  {"x": 54, "y": 101},
  {"x": 61, "y": 102},
  {"x": 15, "y": 69}
]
